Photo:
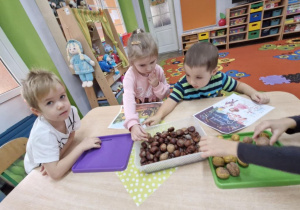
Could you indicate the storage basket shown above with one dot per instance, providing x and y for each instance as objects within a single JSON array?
[
  {"x": 265, "y": 32},
  {"x": 274, "y": 30},
  {"x": 253, "y": 34},
  {"x": 237, "y": 29},
  {"x": 275, "y": 22},
  {"x": 266, "y": 23},
  {"x": 174, "y": 162},
  {"x": 237, "y": 21},
  {"x": 254, "y": 26},
  {"x": 255, "y": 17},
  {"x": 276, "y": 12}
]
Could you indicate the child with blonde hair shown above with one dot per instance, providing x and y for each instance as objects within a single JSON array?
[
  {"x": 203, "y": 80},
  {"x": 54, "y": 130},
  {"x": 143, "y": 82}
]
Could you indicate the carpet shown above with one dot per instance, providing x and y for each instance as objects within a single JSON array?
[{"x": 271, "y": 66}]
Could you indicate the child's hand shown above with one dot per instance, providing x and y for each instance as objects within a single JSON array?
[
  {"x": 153, "y": 80},
  {"x": 138, "y": 133},
  {"x": 43, "y": 170},
  {"x": 260, "y": 98},
  {"x": 90, "y": 142},
  {"x": 213, "y": 146},
  {"x": 152, "y": 120}
]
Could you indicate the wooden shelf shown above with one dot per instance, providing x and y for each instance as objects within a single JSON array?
[
  {"x": 292, "y": 23},
  {"x": 291, "y": 32},
  {"x": 269, "y": 18},
  {"x": 271, "y": 26},
  {"x": 283, "y": 6},
  {"x": 294, "y": 3},
  {"x": 295, "y": 13}
]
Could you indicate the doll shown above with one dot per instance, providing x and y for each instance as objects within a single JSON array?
[{"x": 80, "y": 62}]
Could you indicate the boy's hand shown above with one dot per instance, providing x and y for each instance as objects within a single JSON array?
[
  {"x": 43, "y": 170},
  {"x": 138, "y": 133},
  {"x": 90, "y": 142},
  {"x": 260, "y": 98},
  {"x": 154, "y": 120},
  {"x": 153, "y": 80},
  {"x": 213, "y": 146}
]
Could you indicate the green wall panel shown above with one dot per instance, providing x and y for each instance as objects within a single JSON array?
[
  {"x": 22, "y": 35},
  {"x": 128, "y": 15},
  {"x": 144, "y": 15}
]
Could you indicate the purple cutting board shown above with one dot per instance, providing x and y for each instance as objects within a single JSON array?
[{"x": 112, "y": 156}]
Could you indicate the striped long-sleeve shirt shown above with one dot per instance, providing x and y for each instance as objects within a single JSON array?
[{"x": 184, "y": 91}]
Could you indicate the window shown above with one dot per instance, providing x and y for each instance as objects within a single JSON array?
[
  {"x": 114, "y": 11},
  {"x": 12, "y": 70}
]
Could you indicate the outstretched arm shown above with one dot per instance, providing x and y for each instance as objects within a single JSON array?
[
  {"x": 261, "y": 98},
  {"x": 163, "y": 111},
  {"x": 57, "y": 169}
]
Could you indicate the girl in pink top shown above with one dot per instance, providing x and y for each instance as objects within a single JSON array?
[{"x": 144, "y": 82}]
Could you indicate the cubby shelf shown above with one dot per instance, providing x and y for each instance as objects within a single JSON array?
[{"x": 270, "y": 23}]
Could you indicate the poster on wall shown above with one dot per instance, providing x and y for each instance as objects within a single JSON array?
[
  {"x": 156, "y": 2},
  {"x": 232, "y": 114}
]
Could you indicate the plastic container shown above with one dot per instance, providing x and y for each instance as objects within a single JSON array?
[
  {"x": 237, "y": 12},
  {"x": 237, "y": 21},
  {"x": 219, "y": 41},
  {"x": 256, "y": 7},
  {"x": 267, "y": 14},
  {"x": 253, "y": 34},
  {"x": 275, "y": 22},
  {"x": 237, "y": 29},
  {"x": 254, "y": 175},
  {"x": 236, "y": 37},
  {"x": 174, "y": 162},
  {"x": 203, "y": 40},
  {"x": 276, "y": 12},
  {"x": 274, "y": 30},
  {"x": 221, "y": 32},
  {"x": 254, "y": 26},
  {"x": 204, "y": 35},
  {"x": 266, "y": 23},
  {"x": 255, "y": 17},
  {"x": 265, "y": 32}
]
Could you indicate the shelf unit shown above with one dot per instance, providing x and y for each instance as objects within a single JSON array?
[
  {"x": 253, "y": 21},
  {"x": 102, "y": 80},
  {"x": 216, "y": 35},
  {"x": 292, "y": 18}
]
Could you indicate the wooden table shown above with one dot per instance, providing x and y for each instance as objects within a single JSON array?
[{"x": 190, "y": 187}]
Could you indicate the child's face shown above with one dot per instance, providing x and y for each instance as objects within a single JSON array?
[
  {"x": 198, "y": 77},
  {"x": 54, "y": 106},
  {"x": 145, "y": 65}
]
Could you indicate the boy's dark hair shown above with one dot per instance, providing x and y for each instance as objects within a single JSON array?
[{"x": 202, "y": 54}]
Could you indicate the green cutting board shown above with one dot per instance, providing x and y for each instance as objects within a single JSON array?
[{"x": 253, "y": 175}]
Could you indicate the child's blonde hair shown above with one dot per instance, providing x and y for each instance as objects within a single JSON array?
[
  {"x": 141, "y": 45},
  {"x": 202, "y": 54},
  {"x": 37, "y": 84}
]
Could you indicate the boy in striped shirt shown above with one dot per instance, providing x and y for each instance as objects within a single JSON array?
[{"x": 203, "y": 80}]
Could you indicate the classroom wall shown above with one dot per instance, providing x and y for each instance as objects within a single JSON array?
[
  {"x": 22, "y": 35},
  {"x": 128, "y": 15}
]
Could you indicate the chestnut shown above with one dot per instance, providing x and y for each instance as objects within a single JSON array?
[
  {"x": 163, "y": 156},
  {"x": 188, "y": 136},
  {"x": 180, "y": 143},
  {"x": 191, "y": 129},
  {"x": 187, "y": 143},
  {"x": 144, "y": 145},
  {"x": 150, "y": 156},
  {"x": 163, "y": 147},
  {"x": 177, "y": 153},
  {"x": 179, "y": 132},
  {"x": 142, "y": 153},
  {"x": 170, "y": 148},
  {"x": 171, "y": 129},
  {"x": 173, "y": 134},
  {"x": 154, "y": 149}
]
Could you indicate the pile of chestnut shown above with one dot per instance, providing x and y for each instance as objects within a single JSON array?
[{"x": 169, "y": 144}]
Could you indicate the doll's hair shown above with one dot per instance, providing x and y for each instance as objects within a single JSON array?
[
  {"x": 202, "y": 54},
  {"x": 76, "y": 45},
  {"x": 37, "y": 84},
  {"x": 141, "y": 45}
]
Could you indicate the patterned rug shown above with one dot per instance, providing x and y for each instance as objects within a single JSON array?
[{"x": 271, "y": 66}]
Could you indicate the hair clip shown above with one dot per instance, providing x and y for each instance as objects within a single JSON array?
[
  {"x": 135, "y": 42},
  {"x": 138, "y": 31}
]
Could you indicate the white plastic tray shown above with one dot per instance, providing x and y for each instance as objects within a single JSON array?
[{"x": 169, "y": 163}]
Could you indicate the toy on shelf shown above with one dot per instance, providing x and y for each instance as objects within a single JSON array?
[
  {"x": 107, "y": 63},
  {"x": 81, "y": 63},
  {"x": 222, "y": 21},
  {"x": 56, "y": 4}
]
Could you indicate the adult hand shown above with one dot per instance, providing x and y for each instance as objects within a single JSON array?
[{"x": 277, "y": 127}]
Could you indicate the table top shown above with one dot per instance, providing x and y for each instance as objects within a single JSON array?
[{"x": 189, "y": 187}]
